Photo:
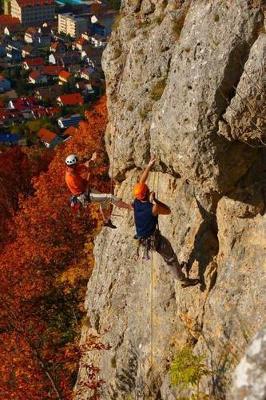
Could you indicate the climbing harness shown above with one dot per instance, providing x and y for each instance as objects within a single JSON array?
[
  {"x": 74, "y": 203},
  {"x": 149, "y": 244}
]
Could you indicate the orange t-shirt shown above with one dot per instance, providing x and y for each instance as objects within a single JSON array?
[{"x": 75, "y": 180}]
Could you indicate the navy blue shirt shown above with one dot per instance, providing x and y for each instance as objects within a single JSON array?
[{"x": 145, "y": 221}]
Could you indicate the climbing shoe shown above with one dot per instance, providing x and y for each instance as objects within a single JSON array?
[
  {"x": 109, "y": 224},
  {"x": 189, "y": 282}
]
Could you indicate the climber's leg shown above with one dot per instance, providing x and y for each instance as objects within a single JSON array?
[
  {"x": 105, "y": 199},
  {"x": 164, "y": 248}
]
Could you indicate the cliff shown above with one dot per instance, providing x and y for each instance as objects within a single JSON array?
[{"x": 185, "y": 81}]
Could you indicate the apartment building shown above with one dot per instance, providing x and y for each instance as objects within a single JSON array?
[
  {"x": 33, "y": 12},
  {"x": 73, "y": 25}
]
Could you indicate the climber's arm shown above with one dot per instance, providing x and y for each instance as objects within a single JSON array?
[
  {"x": 90, "y": 162},
  {"x": 146, "y": 171},
  {"x": 159, "y": 208}
]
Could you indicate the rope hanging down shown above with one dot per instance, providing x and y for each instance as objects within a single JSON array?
[{"x": 152, "y": 282}]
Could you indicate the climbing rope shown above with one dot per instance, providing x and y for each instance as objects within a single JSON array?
[
  {"x": 112, "y": 159},
  {"x": 152, "y": 282}
]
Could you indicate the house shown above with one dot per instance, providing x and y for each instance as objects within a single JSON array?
[
  {"x": 27, "y": 50},
  {"x": 64, "y": 77},
  {"x": 85, "y": 88},
  {"x": 31, "y": 35},
  {"x": 10, "y": 139},
  {"x": 52, "y": 59},
  {"x": 14, "y": 29},
  {"x": 72, "y": 24},
  {"x": 22, "y": 104},
  {"x": 64, "y": 59},
  {"x": 52, "y": 70},
  {"x": 74, "y": 69},
  {"x": 44, "y": 35},
  {"x": 33, "y": 12},
  {"x": 5, "y": 84},
  {"x": 14, "y": 55},
  {"x": 57, "y": 47},
  {"x": 98, "y": 41},
  {"x": 73, "y": 99},
  {"x": 7, "y": 21},
  {"x": 98, "y": 29},
  {"x": 45, "y": 30},
  {"x": 49, "y": 138},
  {"x": 49, "y": 93},
  {"x": 30, "y": 63},
  {"x": 85, "y": 74},
  {"x": 80, "y": 43},
  {"x": 66, "y": 122},
  {"x": 2, "y": 50},
  {"x": 92, "y": 57},
  {"x": 70, "y": 58},
  {"x": 40, "y": 111},
  {"x": 37, "y": 78},
  {"x": 14, "y": 50}
]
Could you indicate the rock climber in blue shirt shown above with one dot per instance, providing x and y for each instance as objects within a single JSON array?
[{"x": 147, "y": 208}]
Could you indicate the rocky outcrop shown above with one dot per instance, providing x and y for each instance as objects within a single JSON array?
[
  {"x": 250, "y": 374},
  {"x": 185, "y": 80}
]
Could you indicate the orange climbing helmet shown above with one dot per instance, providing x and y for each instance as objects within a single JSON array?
[{"x": 140, "y": 191}]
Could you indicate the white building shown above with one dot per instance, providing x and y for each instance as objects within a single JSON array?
[
  {"x": 33, "y": 12},
  {"x": 72, "y": 25}
]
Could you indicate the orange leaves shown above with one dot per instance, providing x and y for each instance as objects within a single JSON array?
[{"x": 44, "y": 265}]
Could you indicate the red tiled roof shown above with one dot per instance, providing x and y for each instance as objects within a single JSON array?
[
  {"x": 8, "y": 20},
  {"x": 34, "y": 61},
  {"x": 46, "y": 135},
  {"x": 52, "y": 69},
  {"x": 54, "y": 45},
  {"x": 52, "y": 110},
  {"x": 24, "y": 103},
  {"x": 64, "y": 75},
  {"x": 34, "y": 75},
  {"x": 81, "y": 41},
  {"x": 26, "y": 3},
  {"x": 31, "y": 30},
  {"x": 71, "y": 99}
]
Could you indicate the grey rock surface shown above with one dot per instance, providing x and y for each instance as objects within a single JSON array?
[
  {"x": 174, "y": 73},
  {"x": 250, "y": 374}
]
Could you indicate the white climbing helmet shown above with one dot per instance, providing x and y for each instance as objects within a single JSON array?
[{"x": 72, "y": 159}]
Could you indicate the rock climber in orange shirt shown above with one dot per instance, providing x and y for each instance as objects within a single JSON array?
[{"x": 77, "y": 179}]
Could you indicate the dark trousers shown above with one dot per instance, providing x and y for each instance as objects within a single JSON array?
[{"x": 162, "y": 246}]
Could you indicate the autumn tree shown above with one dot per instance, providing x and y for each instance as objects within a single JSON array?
[{"x": 44, "y": 268}]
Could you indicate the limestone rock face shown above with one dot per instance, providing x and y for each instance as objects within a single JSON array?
[
  {"x": 250, "y": 374},
  {"x": 186, "y": 81}
]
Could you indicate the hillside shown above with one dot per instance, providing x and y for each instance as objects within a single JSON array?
[{"x": 185, "y": 81}]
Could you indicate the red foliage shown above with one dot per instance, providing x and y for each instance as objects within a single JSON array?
[
  {"x": 16, "y": 172},
  {"x": 46, "y": 239}
]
